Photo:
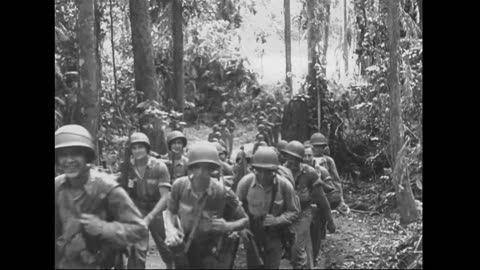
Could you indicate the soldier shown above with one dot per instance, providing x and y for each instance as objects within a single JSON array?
[
  {"x": 215, "y": 128},
  {"x": 262, "y": 131},
  {"x": 320, "y": 143},
  {"x": 231, "y": 127},
  {"x": 322, "y": 216},
  {"x": 276, "y": 120},
  {"x": 218, "y": 136},
  {"x": 271, "y": 204},
  {"x": 226, "y": 136},
  {"x": 309, "y": 189},
  {"x": 226, "y": 169},
  {"x": 308, "y": 159},
  {"x": 241, "y": 168},
  {"x": 269, "y": 130},
  {"x": 206, "y": 212},
  {"x": 147, "y": 181},
  {"x": 260, "y": 142},
  {"x": 175, "y": 159},
  {"x": 94, "y": 218},
  {"x": 280, "y": 146}
]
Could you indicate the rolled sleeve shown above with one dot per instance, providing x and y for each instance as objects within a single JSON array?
[
  {"x": 174, "y": 200},
  {"x": 164, "y": 176}
]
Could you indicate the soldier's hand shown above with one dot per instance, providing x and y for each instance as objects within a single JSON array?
[
  {"x": 147, "y": 219},
  {"x": 270, "y": 220},
  {"x": 92, "y": 224},
  {"x": 219, "y": 224},
  {"x": 173, "y": 237}
]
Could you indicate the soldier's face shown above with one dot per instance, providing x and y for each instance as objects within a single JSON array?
[
  {"x": 201, "y": 173},
  {"x": 264, "y": 174},
  {"x": 222, "y": 156},
  {"x": 319, "y": 150},
  {"x": 177, "y": 146},
  {"x": 308, "y": 155},
  {"x": 72, "y": 160},
  {"x": 139, "y": 151},
  {"x": 292, "y": 162}
]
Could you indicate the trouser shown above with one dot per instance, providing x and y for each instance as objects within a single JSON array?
[
  {"x": 209, "y": 253},
  {"x": 271, "y": 251},
  {"x": 302, "y": 248},
  {"x": 321, "y": 215},
  {"x": 138, "y": 254}
]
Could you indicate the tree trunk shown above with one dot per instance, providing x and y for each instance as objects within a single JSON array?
[
  {"x": 145, "y": 75},
  {"x": 177, "y": 33},
  {"x": 145, "y": 80},
  {"x": 288, "y": 46},
  {"x": 345, "y": 36},
  {"x": 420, "y": 11},
  {"x": 98, "y": 44},
  {"x": 405, "y": 200},
  {"x": 325, "y": 38},
  {"x": 88, "y": 66},
  {"x": 313, "y": 40}
]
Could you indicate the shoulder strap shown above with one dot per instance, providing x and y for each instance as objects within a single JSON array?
[
  {"x": 274, "y": 194},
  {"x": 196, "y": 221}
]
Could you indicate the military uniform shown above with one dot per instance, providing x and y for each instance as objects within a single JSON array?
[
  {"x": 95, "y": 220},
  {"x": 145, "y": 193},
  {"x": 276, "y": 120},
  {"x": 321, "y": 213},
  {"x": 257, "y": 200},
  {"x": 100, "y": 196},
  {"x": 308, "y": 188},
  {"x": 221, "y": 201},
  {"x": 328, "y": 163},
  {"x": 177, "y": 165}
]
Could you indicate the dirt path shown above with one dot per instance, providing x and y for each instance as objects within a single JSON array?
[{"x": 359, "y": 242}]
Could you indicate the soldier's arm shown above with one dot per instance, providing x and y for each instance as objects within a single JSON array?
[
  {"x": 164, "y": 188},
  {"x": 173, "y": 206},
  {"x": 128, "y": 226},
  {"x": 240, "y": 218},
  {"x": 333, "y": 170},
  {"x": 241, "y": 192},
  {"x": 326, "y": 178},
  {"x": 292, "y": 204}
]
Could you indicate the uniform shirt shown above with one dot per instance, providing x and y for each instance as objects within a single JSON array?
[
  {"x": 329, "y": 164},
  {"x": 100, "y": 195},
  {"x": 305, "y": 181},
  {"x": 221, "y": 202},
  {"x": 287, "y": 173},
  {"x": 329, "y": 186},
  {"x": 145, "y": 190},
  {"x": 275, "y": 119},
  {"x": 179, "y": 167},
  {"x": 286, "y": 205}
]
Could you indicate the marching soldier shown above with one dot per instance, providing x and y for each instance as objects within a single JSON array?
[
  {"x": 276, "y": 121},
  {"x": 227, "y": 136},
  {"x": 94, "y": 219},
  {"x": 271, "y": 203},
  {"x": 309, "y": 189},
  {"x": 320, "y": 143},
  {"x": 202, "y": 213},
  {"x": 175, "y": 159},
  {"x": 148, "y": 183}
]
